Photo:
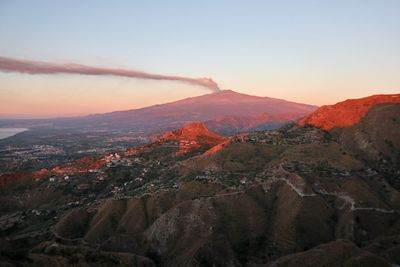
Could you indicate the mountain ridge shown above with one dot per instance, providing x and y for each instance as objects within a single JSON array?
[{"x": 346, "y": 113}]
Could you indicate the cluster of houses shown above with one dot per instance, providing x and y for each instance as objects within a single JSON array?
[
  {"x": 289, "y": 137},
  {"x": 115, "y": 159},
  {"x": 53, "y": 178},
  {"x": 187, "y": 143}
]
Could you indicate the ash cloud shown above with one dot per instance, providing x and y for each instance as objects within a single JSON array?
[{"x": 39, "y": 67}]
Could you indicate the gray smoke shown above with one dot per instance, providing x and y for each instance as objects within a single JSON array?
[{"x": 38, "y": 67}]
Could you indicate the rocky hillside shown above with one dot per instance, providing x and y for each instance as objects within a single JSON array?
[
  {"x": 193, "y": 132},
  {"x": 296, "y": 196},
  {"x": 346, "y": 113}
]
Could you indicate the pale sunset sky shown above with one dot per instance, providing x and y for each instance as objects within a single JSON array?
[{"x": 312, "y": 51}]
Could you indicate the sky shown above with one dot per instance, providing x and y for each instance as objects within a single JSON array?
[{"x": 316, "y": 52}]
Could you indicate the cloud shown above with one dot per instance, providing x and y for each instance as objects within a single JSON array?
[{"x": 38, "y": 67}]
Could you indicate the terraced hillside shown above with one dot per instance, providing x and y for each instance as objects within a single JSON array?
[{"x": 296, "y": 196}]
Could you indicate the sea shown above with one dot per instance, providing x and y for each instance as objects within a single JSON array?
[{"x": 7, "y": 132}]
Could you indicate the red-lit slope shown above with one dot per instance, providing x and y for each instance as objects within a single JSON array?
[
  {"x": 192, "y": 137},
  {"x": 6, "y": 179},
  {"x": 82, "y": 165},
  {"x": 193, "y": 131},
  {"x": 345, "y": 113}
]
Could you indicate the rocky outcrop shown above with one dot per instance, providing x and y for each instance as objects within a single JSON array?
[
  {"x": 192, "y": 137},
  {"x": 193, "y": 132},
  {"x": 346, "y": 113}
]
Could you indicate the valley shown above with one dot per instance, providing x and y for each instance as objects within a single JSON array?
[{"x": 190, "y": 197}]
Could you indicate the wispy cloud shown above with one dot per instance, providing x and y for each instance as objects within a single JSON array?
[{"x": 39, "y": 67}]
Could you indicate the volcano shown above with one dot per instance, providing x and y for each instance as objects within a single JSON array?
[{"x": 225, "y": 112}]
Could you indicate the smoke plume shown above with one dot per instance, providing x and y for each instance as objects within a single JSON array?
[{"x": 38, "y": 67}]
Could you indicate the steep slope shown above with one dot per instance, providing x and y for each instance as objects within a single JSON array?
[
  {"x": 193, "y": 137},
  {"x": 376, "y": 136},
  {"x": 345, "y": 113},
  {"x": 192, "y": 132},
  {"x": 368, "y": 128},
  {"x": 376, "y": 140}
]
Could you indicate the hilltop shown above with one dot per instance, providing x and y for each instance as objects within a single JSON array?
[
  {"x": 346, "y": 113},
  {"x": 192, "y": 132}
]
